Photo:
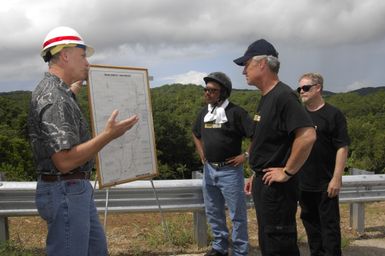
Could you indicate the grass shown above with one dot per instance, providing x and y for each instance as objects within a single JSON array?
[
  {"x": 14, "y": 249},
  {"x": 143, "y": 234},
  {"x": 170, "y": 233}
]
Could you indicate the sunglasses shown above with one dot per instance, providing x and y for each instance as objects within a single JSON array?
[
  {"x": 210, "y": 90},
  {"x": 305, "y": 88}
]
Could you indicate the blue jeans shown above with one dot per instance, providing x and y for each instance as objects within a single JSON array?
[
  {"x": 74, "y": 228},
  {"x": 220, "y": 186}
]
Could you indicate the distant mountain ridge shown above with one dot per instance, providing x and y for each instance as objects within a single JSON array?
[
  {"x": 362, "y": 91},
  {"x": 368, "y": 90}
]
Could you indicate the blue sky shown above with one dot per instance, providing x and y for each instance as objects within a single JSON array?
[{"x": 180, "y": 41}]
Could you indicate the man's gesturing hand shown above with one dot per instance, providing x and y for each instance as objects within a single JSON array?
[{"x": 115, "y": 128}]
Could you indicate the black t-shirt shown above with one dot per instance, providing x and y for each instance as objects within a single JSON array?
[
  {"x": 221, "y": 141},
  {"x": 332, "y": 134},
  {"x": 279, "y": 114}
]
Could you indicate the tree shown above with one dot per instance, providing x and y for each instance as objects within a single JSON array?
[{"x": 175, "y": 108}]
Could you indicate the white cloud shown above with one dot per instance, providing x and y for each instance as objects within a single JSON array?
[
  {"x": 172, "y": 36},
  {"x": 191, "y": 77},
  {"x": 356, "y": 85}
]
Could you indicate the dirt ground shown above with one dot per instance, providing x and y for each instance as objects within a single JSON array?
[{"x": 143, "y": 234}]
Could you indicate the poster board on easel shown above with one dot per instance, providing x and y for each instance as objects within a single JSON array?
[{"x": 133, "y": 155}]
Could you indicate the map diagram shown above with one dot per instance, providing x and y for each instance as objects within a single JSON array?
[{"x": 131, "y": 156}]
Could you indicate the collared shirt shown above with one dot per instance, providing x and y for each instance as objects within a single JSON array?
[{"x": 55, "y": 123}]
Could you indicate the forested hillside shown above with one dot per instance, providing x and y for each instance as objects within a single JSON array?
[{"x": 175, "y": 108}]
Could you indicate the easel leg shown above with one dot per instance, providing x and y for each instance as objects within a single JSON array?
[
  {"x": 106, "y": 209},
  {"x": 164, "y": 224}
]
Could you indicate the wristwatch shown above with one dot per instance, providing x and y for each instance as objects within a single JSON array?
[{"x": 246, "y": 154}]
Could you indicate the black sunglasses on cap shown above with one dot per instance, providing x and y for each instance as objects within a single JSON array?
[{"x": 305, "y": 88}]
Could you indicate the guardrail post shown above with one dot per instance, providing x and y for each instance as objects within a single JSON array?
[
  {"x": 4, "y": 233},
  {"x": 200, "y": 224},
  {"x": 357, "y": 210},
  {"x": 357, "y": 216},
  {"x": 200, "y": 228}
]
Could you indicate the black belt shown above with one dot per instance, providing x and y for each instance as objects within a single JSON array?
[
  {"x": 258, "y": 171},
  {"x": 70, "y": 176},
  {"x": 218, "y": 165}
]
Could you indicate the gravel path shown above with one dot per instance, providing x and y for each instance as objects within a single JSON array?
[
  {"x": 367, "y": 247},
  {"x": 363, "y": 247}
]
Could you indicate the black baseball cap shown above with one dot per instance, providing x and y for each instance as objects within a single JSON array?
[{"x": 259, "y": 47}]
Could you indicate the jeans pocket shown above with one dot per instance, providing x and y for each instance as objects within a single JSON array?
[
  {"x": 74, "y": 187},
  {"x": 44, "y": 201}
]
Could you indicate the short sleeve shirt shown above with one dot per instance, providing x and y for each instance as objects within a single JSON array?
[
  {"x": 55, "y": 123},
  {"x": 332, "y": 134},
  {"x": 278, "y": 115},
  {"x": 221, "y": 141}
]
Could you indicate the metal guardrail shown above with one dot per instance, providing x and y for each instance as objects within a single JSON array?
[
  {"x": 362, "y": 188},
  {"x": 18, "y": 199}
]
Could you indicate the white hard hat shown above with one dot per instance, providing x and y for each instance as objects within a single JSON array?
[{"x": 64, "y": 36}]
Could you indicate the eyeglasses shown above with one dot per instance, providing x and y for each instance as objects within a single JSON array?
[
  {"x": 305, "y": 88},
  {"x": 210, "y": 90}
]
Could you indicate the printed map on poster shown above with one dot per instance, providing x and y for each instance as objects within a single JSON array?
[{"x": 132, "y": 156}]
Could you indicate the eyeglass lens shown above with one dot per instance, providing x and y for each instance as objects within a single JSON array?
[
  {"x": 305, "y": 88},
  {"x": 210, "y": 90}
]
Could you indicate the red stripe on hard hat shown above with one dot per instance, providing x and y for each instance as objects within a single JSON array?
[{"x": 61, "y": 38}]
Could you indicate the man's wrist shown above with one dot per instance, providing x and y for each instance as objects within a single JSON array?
[
  {"x": 246, "y": 155},
  {"x": 287, "y": 173}
]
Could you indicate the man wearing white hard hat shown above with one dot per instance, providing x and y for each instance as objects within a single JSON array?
[{"x": 64, "y": 150}]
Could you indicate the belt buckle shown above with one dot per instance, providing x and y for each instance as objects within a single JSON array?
[{"x": 216, "y": 165}]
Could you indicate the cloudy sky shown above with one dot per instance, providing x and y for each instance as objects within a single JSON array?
[{"x": 180, "y": 41}]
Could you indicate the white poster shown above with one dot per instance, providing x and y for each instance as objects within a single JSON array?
[{"x": 133, "y": 155}]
